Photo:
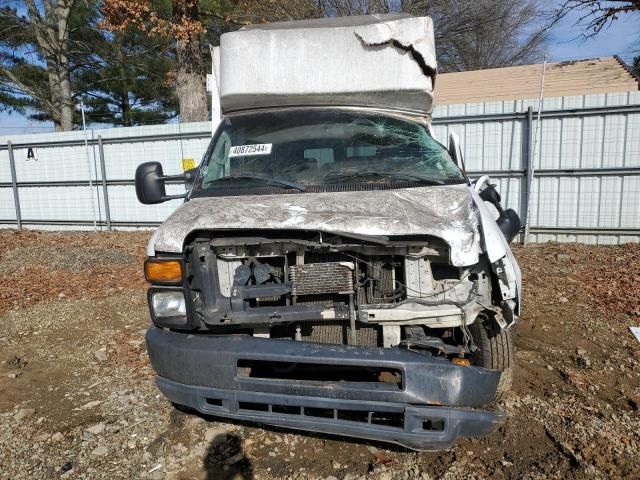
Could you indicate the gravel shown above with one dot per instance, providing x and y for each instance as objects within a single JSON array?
[
  {"x": 23, "y": 413},
  {"x": 101, "y": 355},
  {"x": 60, "y": 257}
]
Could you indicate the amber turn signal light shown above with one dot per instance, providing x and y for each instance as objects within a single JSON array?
[
  {"x": 463, "y": 362},
  {"x": 163, "y": 271}
]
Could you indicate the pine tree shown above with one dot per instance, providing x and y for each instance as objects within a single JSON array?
[{"x": 131, "y": 82}]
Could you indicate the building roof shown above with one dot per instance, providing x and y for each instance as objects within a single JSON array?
[{"x": 579, "y": 77}]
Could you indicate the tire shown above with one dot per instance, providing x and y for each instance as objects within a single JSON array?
[{"x": 495, "y": 351}]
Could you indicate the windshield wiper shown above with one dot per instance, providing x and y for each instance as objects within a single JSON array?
[
  {"x": 394, "y": 175},
  {"x": 270, "y": 181}
]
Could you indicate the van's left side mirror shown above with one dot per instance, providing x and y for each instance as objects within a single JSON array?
[{"x": 150, "y": 184}]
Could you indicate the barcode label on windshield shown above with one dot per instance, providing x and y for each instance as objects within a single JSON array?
[{"x": 245, "y": 150}]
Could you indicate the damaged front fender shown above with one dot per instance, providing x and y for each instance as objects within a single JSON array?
[{"x": 503, "y": 263}]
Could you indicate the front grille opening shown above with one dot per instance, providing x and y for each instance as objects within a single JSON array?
[
  {"x": 331, "y": 333},
  {"x": 286, "y": 409},
  {"x": 214, "y": 402},
  {"x": 256, "y": 407},
  {"x": 318, "y": 412},
  {"x": 354, "y": 415},
  {"x": 433, "y": 424},
  {"x": 388, "y": 419},
  {"x": 316, "y": 372}
]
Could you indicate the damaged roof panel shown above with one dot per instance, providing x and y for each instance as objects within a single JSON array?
[{"x": 386, "y": 61}]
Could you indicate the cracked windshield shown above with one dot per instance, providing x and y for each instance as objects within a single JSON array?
[{"x": 297, "y": 149}]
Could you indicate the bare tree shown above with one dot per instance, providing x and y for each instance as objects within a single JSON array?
[
  {"x": 469, "y": 34},
  {"x": 473, "y": 35},
  {"x": 596, "y": 14},
  {"x": 341, "y": 8},
  {"x": 233, "y": 14}
]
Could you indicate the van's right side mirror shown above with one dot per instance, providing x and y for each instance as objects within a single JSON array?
[
  {"x": 455, "y": 152},
  {"x": 508, "y": 220}
]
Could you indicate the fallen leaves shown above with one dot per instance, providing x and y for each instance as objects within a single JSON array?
[{"x": 68, "y": 265}]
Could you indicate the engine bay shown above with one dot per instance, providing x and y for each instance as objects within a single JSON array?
[{"x": 332, "y": 288}]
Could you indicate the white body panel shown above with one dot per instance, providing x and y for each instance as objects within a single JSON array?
[{"x": 386, "y": 61}]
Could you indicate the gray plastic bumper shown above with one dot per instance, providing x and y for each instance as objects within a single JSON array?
[{"x": 429, "y": 410}]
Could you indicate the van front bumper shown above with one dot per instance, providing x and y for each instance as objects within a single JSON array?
[{"x": 436, "y": 403}]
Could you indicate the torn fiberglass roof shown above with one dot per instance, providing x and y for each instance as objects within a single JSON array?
[{"x": 384, "y": 61}]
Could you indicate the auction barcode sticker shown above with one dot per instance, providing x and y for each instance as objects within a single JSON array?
[{"x": 245, "y": 150}]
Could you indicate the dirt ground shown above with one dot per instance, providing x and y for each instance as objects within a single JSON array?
[{"x": 77, "y": 398}]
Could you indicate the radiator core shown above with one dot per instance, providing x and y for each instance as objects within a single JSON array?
[{"x": 319, "y": 278}]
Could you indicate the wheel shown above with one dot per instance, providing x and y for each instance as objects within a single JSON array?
[{"x": 495, "y": 350}]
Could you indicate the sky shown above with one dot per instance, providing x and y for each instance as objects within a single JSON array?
[
  {"x": 621, "y": 38},
  {"x": 566, "y": 43}
]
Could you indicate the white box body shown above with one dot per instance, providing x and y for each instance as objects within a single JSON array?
[{"x": 384, "y": 61}]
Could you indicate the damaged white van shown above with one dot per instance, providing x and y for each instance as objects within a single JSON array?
[{"x": 333, "y": 269}]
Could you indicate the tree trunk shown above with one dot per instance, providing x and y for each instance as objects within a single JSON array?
[
  {"x": 66, "y": 102},
  {"x": 54, "y": 89},
  {"x": 52, "y": 34},
  {"x": 61, "y": 101},
  {"x": 125, "y": 105},
  {"x": 190, "y": 82},
  {"x": 126, "y": 109},
  {"x": 190, "y": 77},
  {"x": 64, "y": 72}
]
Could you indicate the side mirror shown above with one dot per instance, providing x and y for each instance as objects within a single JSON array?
[
  {"x": 509, "y": 223},
  {"x": 491, "y": 195},
  {"x": 508, "y": 220},
  {"x": 150, "y": 184},
  {"x": 455, "y": 152}
]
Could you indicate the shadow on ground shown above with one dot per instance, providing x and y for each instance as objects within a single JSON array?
[{"x": 225, "y": 459}]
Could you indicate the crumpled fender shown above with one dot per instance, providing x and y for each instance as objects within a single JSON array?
[{"x": 503, "y": 263}]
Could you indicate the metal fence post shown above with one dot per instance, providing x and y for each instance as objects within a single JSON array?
[
  {"x": 528, "y": 164},
  {"x": 105, "y": 188},
  {"x": 14, "y": 186}
]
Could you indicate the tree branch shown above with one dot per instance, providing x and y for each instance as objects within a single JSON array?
[{"x": 25, "y": 88}]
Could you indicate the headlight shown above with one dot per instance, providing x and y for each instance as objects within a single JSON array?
[{"x": 169, "y": 308}]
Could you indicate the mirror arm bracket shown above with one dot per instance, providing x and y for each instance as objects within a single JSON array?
[
  {"x": 174, "y": 197},
  {"x": 181, "y": 176}
]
